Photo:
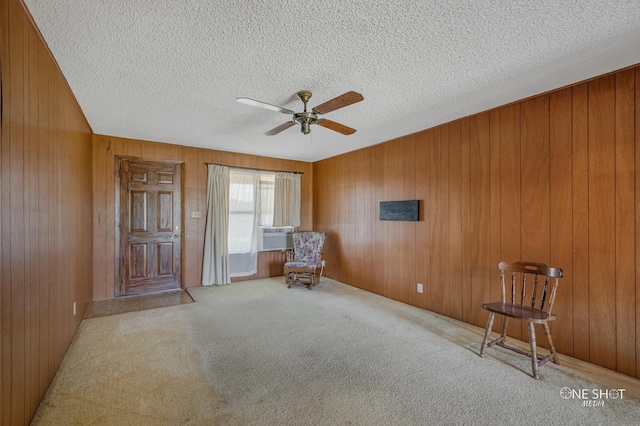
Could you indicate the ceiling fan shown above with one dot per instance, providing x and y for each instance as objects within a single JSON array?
[{"x": 307, "y": 118}]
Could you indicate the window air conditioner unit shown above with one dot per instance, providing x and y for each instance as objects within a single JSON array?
[{"x": 276, "y": 238}]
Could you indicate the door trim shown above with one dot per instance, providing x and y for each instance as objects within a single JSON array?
[{"x": 118, "y": 261}]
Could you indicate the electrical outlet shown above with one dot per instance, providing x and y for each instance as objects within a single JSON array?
[
  {"x": 74, "y": 309},
  {"x": 323, "y": 263},
  {"x": 419, "y": 287},
  {"x": 196, "y": 215}
]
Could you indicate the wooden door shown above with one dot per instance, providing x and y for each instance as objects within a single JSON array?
[{"x": 150, "y": 206}]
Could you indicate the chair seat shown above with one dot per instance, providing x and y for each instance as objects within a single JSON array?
[
  {"x": 305, "y": 265},
  {"x": 520, "y": 312}
]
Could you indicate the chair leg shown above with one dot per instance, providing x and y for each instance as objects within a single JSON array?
[
  {"x": 310, "y": 282},
  {"x": 288, "y": 279},
  {"x": 486, "y": 333},
  {"x": 547, "y": 332},
  {"x": 503, "y": 333},
  {"x": 534, "y": 356}
]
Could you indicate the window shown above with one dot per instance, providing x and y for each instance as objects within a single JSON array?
[{"x": 251, "y": 198}]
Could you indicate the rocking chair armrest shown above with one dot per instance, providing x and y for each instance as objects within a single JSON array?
[{"x": 290, "y": 255}]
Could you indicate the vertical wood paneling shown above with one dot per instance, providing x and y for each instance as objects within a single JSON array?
[
  {"x": 580, "y": 161},
  {"x": 409, "y": 246},
  {"x": 322, "y": 208},
  {"x": 534, "y": 158},
  {"x": 602, "y": 299},
  {"x": 552, "y": 179},
  {"x": 495, "y": 182},
  {"x": 16, "y": 200},
  {"x": 5, "y": 299},
  {"x": 359, "y": 221},
  {"x": 396, "y": 234},
  {"x": 625, "y": 271},
  {"x": 388, "y": 171},
  {"x": 306, "y": 196},
  {"x": 339, "y": 220},
  {"x": 99, "y": 218},
  {"x": 45, "y": 219},
  {"x": 349, "y": 230},
  {"x": 376, "y": 226},
  {"x": 190, "y": 231},
  {"x": 436, "y": 190},
  {"x": 423, "y": 236},
  {"x": 510, "y": 202},
  {"x": 443, "y": 306},
  {"x": 560, "y": 175},
  {"x": 46, "y": 361},
  {"x": 34, "y": 271},
  {"x": 637, "y": 216},
  {"x": 5, "y": 329},
  {"x": 465, "y": 217},
  {"x": 479, "y": 236},
  {"x": 369, "y": 210},
  {"x": 333, "y": 248},
  {"x": 453, "y": 301},
  {"x": 534, "y": 189},
  {"x": 510, "y": 185}
]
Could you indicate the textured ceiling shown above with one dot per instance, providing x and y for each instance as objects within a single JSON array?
[{"x": 171, "y": 71}]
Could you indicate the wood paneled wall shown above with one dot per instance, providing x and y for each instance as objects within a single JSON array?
[
  {"x": 45, "y": 219},
  {"x": 554, "y": 179},
  {"x": 105, "y": 150}
]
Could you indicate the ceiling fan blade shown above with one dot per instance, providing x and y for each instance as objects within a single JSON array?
[
  {"x": 264, "y": 105},
  {"x": 336, "y": 127},
  {"x": 339, "y": 102},
  {"x": 280, "y": 128}
]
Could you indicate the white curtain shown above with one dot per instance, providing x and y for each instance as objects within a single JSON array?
[
  {"x": 244, "y": 208},
  {"x": 287, "y": 199},
  {"x": 215, "y": 265}
]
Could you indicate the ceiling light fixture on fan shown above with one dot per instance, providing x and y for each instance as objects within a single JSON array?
[{"x": 307, "y": 118}]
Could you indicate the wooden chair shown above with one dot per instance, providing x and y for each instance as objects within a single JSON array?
[
  {"x": 523, "y": 307},
  {"x": 304, "y": 263}
]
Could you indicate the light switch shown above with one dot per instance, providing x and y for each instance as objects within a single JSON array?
[{"x": 196, "y": 215}]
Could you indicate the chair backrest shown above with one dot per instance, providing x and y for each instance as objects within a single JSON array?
[
  {"x": 308, "y": 246},
  {"x": 542, "y": 297}
]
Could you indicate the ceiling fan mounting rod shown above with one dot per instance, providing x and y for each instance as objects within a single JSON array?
[
  {"x": 305, "y": 119},
  {"x": 305, "y": 95}
]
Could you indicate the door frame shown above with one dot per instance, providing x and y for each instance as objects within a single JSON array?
[{"x": 117, "y": 181}]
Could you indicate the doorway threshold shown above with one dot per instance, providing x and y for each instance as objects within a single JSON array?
[{"x": 121, "y": 305}]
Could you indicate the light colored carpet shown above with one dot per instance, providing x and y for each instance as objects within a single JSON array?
[{"x": 257, "y": 353}]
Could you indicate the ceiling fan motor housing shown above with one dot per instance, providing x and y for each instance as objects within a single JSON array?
[{"x": 305, "y": 119}]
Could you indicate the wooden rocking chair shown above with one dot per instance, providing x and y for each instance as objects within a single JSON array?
[
  {"x": 304, "y": 263},
  {"x": 525, "y": 309}
]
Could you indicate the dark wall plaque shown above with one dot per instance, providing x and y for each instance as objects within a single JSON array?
[{"x": 400, "y": 210}]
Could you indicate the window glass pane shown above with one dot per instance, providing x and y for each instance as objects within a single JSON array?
[
  {"x": 242, "y": 214},
  {"x": 240, "y": 232},
  {"x": 251, "y": 197}
]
